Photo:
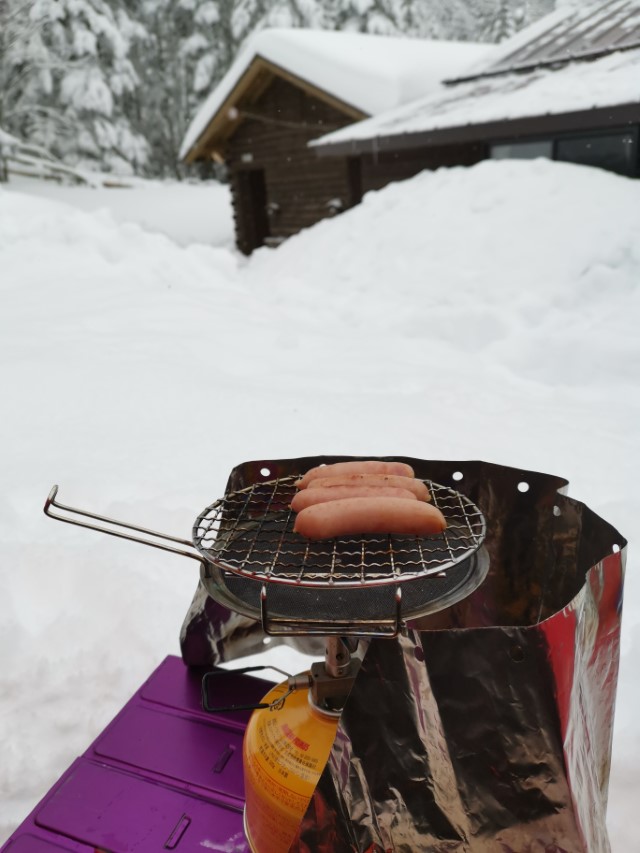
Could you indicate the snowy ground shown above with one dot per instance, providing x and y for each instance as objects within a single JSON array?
[
  {"x": 487, "y": 313},
  {"x": 186, "y": 212}
]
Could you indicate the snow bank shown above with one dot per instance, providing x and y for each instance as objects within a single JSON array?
[
  {"x": 485, "y": 313},
  {"x": 550, "y": 294}
]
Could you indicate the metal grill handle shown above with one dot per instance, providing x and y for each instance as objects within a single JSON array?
[{"x": 51, "y": 501}]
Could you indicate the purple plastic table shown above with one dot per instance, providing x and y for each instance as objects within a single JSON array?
[{"x": 163, "y": 775}]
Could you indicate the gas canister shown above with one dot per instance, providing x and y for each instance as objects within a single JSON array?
[{"x": 284, "y": 752}]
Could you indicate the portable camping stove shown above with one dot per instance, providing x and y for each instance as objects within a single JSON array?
[
  {"x": 342, "y": 589},
  {"x": 479, "y": 709}
]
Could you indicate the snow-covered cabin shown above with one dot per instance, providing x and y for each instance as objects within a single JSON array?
[
  {"x": 567, "y": 88},
  {"x": 285, "y": 88}
]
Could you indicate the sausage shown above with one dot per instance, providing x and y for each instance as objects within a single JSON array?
[
  {"x": 416, "y": 486},
  {"x": 364, "y": 467},
  {"x": 354, "y": 516},
  {"x": 310, "y": 497}
]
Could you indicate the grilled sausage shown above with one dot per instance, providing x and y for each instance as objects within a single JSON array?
[
  {"x": 416, "y": 486},
  {"x": 310, "y": 497},
  {"x": 364, "y": 467},
  {"x": 354, "y": 516}
]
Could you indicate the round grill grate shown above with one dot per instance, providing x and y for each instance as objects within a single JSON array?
[{"x": 250, "y": 533}]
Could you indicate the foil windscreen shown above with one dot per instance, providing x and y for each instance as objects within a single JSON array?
[{"x": 486, "y": 726}]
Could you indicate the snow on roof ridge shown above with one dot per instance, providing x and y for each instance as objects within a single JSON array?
[{"x": 367, "y": 77}]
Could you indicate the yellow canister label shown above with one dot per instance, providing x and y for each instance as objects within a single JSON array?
[{"x": 285, "y": 753}]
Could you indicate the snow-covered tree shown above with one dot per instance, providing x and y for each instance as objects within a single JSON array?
[
  {"x": 497, "y": 21},
  {"x": 502, "y": 25},
  {"x": 451, "y": 19},
  {"x": 463, "y": 20},
  {"x": 19, "y": 54},
  {"x": 189, "y": 45},
  {"x": 72, "y": 81}
]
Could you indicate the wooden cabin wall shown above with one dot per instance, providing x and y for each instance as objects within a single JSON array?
[
  {"x": 301, "y": 184},
  {"x": 378, "y": 170}
]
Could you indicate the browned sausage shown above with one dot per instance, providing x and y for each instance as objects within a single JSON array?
[
  {"x": 372, "y": 466},
  {"x": 416, "y": 486},
  {"x": 310, "y": 497},
  {"x": 353, "y": 516}
]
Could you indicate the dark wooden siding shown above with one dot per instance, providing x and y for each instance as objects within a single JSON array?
[
  {"x": 378, "y": 170},
  {"x": 273, "y": 139}
]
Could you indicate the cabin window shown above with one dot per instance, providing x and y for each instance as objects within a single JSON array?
[
  {"x": 522, "y": 150},
  {"x": 616, "y": 152}
]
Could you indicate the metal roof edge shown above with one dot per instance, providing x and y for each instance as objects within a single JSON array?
[{"x": 529, "y": 126}]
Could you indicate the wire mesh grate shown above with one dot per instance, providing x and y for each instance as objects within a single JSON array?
[{"x": 250, "y": 533}]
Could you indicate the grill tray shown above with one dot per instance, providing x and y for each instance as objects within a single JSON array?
[{"x": 356, "y": 585}]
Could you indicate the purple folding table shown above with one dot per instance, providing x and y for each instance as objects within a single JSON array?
[{"x": 163, "y": 775}]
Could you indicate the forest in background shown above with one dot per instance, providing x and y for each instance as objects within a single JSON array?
[{"x": 113, "y": 84}]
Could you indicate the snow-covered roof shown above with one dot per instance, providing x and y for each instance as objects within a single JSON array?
[
  {"x": 612, "y": 79},
  {"x": 369, "y": 73},
  {"x": 574, "y": 31},
  {"x": 609, "y": 81}
]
